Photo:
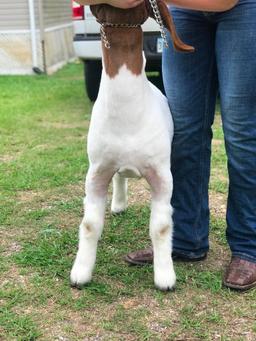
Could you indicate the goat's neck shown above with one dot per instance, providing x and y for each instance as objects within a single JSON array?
[
  {"x": 124, "y": 86},
  {"x": 126, "y": 49}
]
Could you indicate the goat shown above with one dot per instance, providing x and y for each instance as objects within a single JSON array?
[{"x": 130, "y": 135}]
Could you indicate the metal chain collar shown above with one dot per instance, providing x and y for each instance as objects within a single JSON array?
[
  {"x": 157, "y": 16},
  {"x": 106, "y": 24}
]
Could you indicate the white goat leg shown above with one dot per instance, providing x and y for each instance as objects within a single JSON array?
[
  {"x": 90, "y": 229},
  {"x": 161, "y": 236},
  {"x": 161, "y": 231},
  {"x": 119, "y": 198}
]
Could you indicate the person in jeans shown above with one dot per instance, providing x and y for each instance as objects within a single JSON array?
[{"x": 224, "y": 36}]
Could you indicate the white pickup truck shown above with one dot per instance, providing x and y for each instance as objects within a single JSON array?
[{"x": 87, "y": 45}]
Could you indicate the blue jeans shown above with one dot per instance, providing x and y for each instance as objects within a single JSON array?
[{"x": 224, "y": 61}]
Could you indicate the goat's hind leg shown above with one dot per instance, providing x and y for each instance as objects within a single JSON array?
[
  {"x": 161, "y": 228},
  {"x": 91, "y": 227},
  {"x": 119, "y": 198}
]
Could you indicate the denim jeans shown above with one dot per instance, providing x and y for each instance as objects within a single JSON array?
[{"x": 224, "y": 62}]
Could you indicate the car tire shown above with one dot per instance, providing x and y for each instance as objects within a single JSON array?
[{"x": 92, "y": 75}]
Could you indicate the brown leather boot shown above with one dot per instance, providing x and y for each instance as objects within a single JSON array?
[
  {"x": 240, "y": 274},
  {"x": 140, "y": 257},
  {"x": 144, "y": 257}
]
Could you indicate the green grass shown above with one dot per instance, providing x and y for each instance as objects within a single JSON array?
[
  {"x": 43, "y": 126},
  {"x": 19, "y": 327}
]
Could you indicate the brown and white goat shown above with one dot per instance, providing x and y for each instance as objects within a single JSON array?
[{"x": 130, "y": 135}]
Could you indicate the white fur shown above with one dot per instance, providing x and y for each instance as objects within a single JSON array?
[{"x": 130, "y": 135}]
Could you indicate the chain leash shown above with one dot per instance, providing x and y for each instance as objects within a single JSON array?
[
  {"x": 159, "y": 20},
  {"x": 157, "y": 16},
  {"x": 104, "y": 36}
]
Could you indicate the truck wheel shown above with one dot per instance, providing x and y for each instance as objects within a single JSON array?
[
  {"x": 158, "y": 81},
  {"x": 92, "y": 75}
]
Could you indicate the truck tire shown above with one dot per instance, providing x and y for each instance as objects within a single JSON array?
[
  {"x": 92, "y": 75},
  {"x": 158, "y": 81}
]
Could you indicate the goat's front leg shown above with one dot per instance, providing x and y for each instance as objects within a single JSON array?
[
  {"x": 119, "y": 198},
  {"x": 161, "y": 226},
  {"x": 91, "y": 226}
]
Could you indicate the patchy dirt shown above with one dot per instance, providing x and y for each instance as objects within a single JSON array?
[
  {"x": 216, "y": 142},
  {"x": 74, "y": 189},
  {"x": 7, "y": 158},
  {"x": 138, "y": 191},
  {"x": 45, "y": 146},
  {"x": 217, "y": 202},
  {"x": 8, "y": 241},
  {"x": 63, "y": 125},
  {"x": 11, "y": 249},
  {"x": 218, "y": 257},
  {"x": 12, "y": 278},
  {"x": 218, "y": 174},
  {"x": 45, "y": 197},
  {"x": 27, "y": 196}
]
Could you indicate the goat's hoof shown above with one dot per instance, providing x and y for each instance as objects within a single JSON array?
[
  {"x": 165, "y": 282},
  {"x": 165, "y": 288},
  {"x": 79, "y": 276},
  {"x": 118, "y": 209}
]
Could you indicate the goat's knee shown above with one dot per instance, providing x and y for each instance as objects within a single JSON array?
[
  {"x": 161, "y": 233},
  {"x": 161, "y": 220},
  {"x": 90, "y": 229},
  {"x": 161, "y": 236},
  {"x": 89, "y": 233}
]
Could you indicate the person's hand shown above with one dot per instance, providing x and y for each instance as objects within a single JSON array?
[{"x": 124, "y": 3}]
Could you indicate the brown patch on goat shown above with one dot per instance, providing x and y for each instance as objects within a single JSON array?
[
  {"x": 126, "y": 43},
  {"x": 164, "y": 230},
  {"x": 88, "y": 228},
  {"x": 126, "y": 47},
  {"x": 109, "y": 14}
]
